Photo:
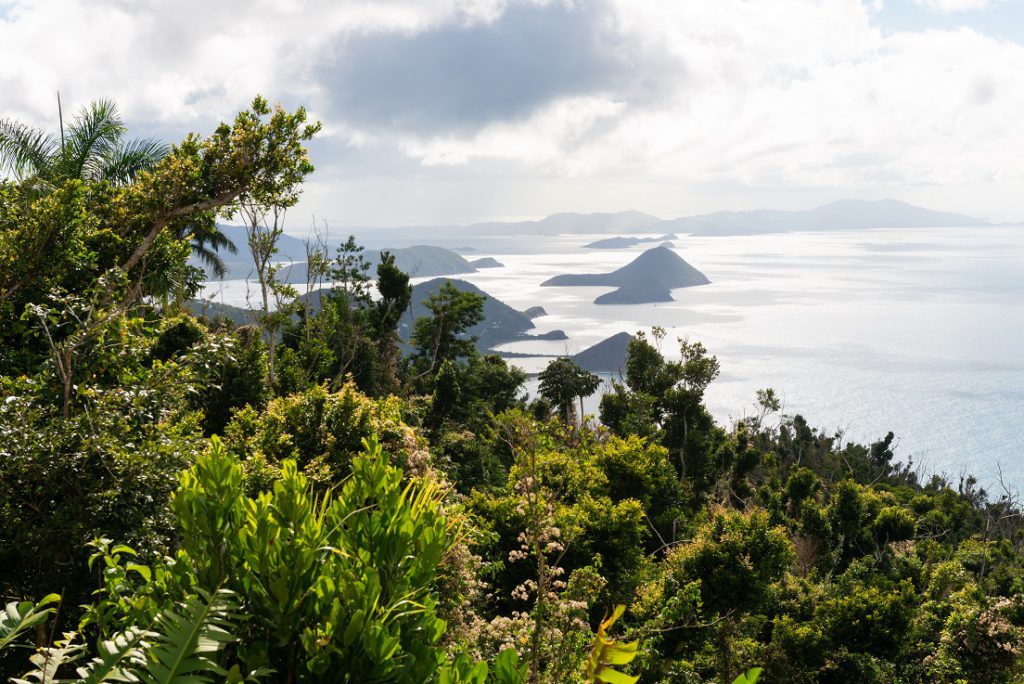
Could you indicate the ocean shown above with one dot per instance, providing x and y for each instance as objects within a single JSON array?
[{"x": 917, "y": 331}]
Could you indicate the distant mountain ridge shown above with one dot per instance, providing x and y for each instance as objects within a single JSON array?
[{"x": 839, "y": 215}]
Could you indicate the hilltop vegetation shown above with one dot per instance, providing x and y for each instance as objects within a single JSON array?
[{"x": 304, "y": 500}]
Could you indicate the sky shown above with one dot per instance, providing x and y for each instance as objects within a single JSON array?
[{"x": 456, "y": 111}]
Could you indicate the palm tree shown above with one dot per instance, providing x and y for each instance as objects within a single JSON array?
[
  {"x": 93, "y": 147},
  {"x": 207, "y": 241}
]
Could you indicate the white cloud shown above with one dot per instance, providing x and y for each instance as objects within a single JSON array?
[
  {"x": 950, "y": 6},
  {"x": 752, "y": 99}
]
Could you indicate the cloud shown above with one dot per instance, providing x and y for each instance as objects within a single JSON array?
[
  {"x": 463, "y": 77},
  {"x": 950, "y": 6},
  {"x": 543, "y": 105}
]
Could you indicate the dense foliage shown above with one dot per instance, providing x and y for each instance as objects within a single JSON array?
[{"x": 309, "y": 498}]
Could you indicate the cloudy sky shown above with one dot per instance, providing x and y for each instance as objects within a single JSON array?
[{"x": 454, "y": 111}]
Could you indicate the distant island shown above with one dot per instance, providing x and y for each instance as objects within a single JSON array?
[
  {"x": 607, "y": 356},
  {"x": 486, "y": 262},
  {"x": 650, "y": 277},
  {"x": 622, "y": 242}
]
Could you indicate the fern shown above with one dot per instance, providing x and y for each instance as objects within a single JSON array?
[
  {"x": 607, "y": 652},
  {"x": 186, "y": 641},
  {"x": 48, "y": 661},
  {"x": 119, "y": 658},
  {"x": 16, "y": 618}
]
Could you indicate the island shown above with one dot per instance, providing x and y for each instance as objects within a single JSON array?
[
  {"x": 607, "y": 356},
  {"x": 650, "y": 277},
  {"x": 486, "y": 262},
  {"x": 623, "y": 242}
]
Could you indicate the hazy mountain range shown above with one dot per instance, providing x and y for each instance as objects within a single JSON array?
[{"x": 841, "y": 215}]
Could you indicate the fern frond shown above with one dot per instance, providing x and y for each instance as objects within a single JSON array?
[
  {"x": 119, "y": 658},
  {"x": 48, "y": 661},
  {"x": 186, "y": 641}
]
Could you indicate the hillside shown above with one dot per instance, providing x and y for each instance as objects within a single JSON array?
[
  {"x": 840, "y": 215},
  {"x": 570, "y": 223},
  {"x": 644, "y": 292},
  {"x": 607, "y": 356}
]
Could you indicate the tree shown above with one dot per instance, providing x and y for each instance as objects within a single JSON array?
[
  {"x": 92, "y": 148},
  {"x": 441, "y": 336},
  {"x": 563, "y": 381},
  {"x": 395, "y": 298},
  {"x": 263, "y": 230}
]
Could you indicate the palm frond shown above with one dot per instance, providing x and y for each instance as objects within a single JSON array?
[
  {"x": 93, "y": 133},
  {"x": 187, "y": 639},
  {"x": 122, "y": 163},
  {"x": 17, "y": 618},
  {"x": 25, "y": 150},
  {"x": 210, "y": 259},
  {"x": 207, "y": 241}
]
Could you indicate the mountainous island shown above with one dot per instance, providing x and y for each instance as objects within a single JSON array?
[
  {"x": 650, "y": 277},
  {"x": 486, "y": 262},
  {"x": 607, "y": 356}
]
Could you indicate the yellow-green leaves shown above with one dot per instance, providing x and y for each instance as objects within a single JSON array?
[
  {"x": 748, "y": 677},
  {"x": 607, "y": 652}
]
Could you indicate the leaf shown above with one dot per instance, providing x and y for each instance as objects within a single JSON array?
[
  {"x": 607, "y": 652},
  {"x": 187, "y": 638},
  {"x": 118, "y": 657},
  {"x": 748, "y": 677},
  {"x": 49, "y": 659},
  {"x": 16, "y": 618}
]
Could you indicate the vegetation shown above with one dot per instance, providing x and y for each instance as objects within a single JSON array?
[{"x": 309, "y": 500}]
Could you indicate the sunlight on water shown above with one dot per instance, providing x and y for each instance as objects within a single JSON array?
[{"x": 915, "y": 331}]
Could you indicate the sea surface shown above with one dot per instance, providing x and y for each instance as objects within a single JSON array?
[{"x": 917, "y": 331}]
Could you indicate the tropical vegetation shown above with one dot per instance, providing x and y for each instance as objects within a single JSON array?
[{"x": 310, "y": 498}]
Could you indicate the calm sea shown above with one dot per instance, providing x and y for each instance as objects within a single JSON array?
[{"x": 916, "y": 331}]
